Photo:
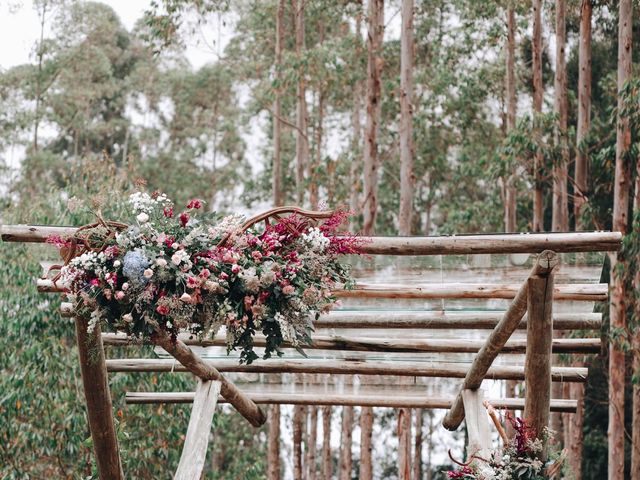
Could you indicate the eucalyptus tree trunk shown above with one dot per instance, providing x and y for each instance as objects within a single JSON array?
[
  {"x": 406, "y": 119},
  {"x": 404, "y": 444},
  {"x": 312, "y": 441},
  {"x": 584, "y": 111},
  {"x": 277, "y": 190},
  {"x": 374, "y": 71},
  {"x": 635, "y": 421},
  {"x": 355, "y": 172},
  {"x": 345, "y": 444},
  {"x": 298, "y": 418},
  {"x": 326, "y": 443},
  {"x": 618, "y": 302},
  {"x": 536, "y": 48},
  {"x": 417, "y": 455},
  {"x": 560, "y": 204},
  {"x": 510, "y": 219},
  {"x": 315, "y": 164},
  {"x": 39, "y": 89},
  {"x": 302, "y": 138},
  {"x": 273, "y": 453},
  {"x": 366, "y": 427}
]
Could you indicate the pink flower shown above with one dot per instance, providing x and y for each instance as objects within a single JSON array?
[
  {"x": 205, "y": 273},
  {"x": 193, "y": 282},
  {"x": 168, "y": 212},
  {"x": 236, "y": 268},
  {"x": 119, "y": 295},
  {"x": 94, "y": 282},
  {"x": 248, "y": 302},
  {"x": 288, "y": 290},
  {"x": 256, "y": 255},
  {"x": 125, "y": 286},
  {"x": 186, "y": 298},
  {"x": 223, "y": 276},
  {"x": 184, "y": 219},
  {"x": 195, "y": 203},
  {"x": 162, "y": 309}
]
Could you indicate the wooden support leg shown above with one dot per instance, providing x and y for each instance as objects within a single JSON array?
[
  {"x": 477, "y": 421},
  {"x": 404, "y": 444},
  {"x": 273, "y": 455},
  {"x": 346, "y": 443},
  {"x": 326, "y": 443},
  {"x": 196, "y": 442},
  {"x": 538, "y": 359},
  {"x": 98, "y": 397},
  {"x": 366, "y": 428}
]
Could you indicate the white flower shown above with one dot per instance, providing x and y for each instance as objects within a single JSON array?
[
  {"x": 316, "y": 239},
  {"x": 185, "y": 297},
  {"x": 127, "y": 317},
  {"x": 142, "y": 217},
  {"x": 117, "y": 263},
  {"x": 179, "y": 257},
  {"x": 125, "y": 286},
  {"x": 148, "y": 273},
  {"x": 161, "y": 262}
]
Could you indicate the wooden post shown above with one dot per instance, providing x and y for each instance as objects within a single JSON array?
[
  {"x": 417, "y": 457},
  {"x": 245, "y": 406},
  {"x": 99, "y": 410},
  {"x": 366, "y": 429},
  {"x": 404, "y": 444},
  {"x": 194, "y": 451},
  {"x": 345, "y": 444},
  {"x": 538, "y": 357},
  {"x": 298, "y": 417},
  {"x": 326, "y": 443},
  {"x": 545, "y": 263},
  {"x": 273, "y": 454},
  {"x": 312, "y": 443}
]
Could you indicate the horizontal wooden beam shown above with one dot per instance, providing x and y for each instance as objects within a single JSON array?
[
  {"x": 344, "y": 367},
  {"x": 369, "y": 400},
  {"x": 590, "y": 292},
  {"x": 429, "y": 319},
  {"x": 362, "y": 344},
  {"x": 440, "y": 245}
]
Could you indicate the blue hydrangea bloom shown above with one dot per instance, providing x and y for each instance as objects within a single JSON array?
[{"x": 133, "y": 267}]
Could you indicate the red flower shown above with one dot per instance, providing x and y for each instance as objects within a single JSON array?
[
  {"x": 195, "y": 203},
  {"x": 169, "y": 241},
  {"x": 95, "y": 282},
  {"x": 184, "y": 218},
  {"x": 460, "y": 473},
  {"x": 168, "y": 212},
  {"x": 162, "y": 309}
]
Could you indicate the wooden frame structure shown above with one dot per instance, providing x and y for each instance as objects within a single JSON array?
[{"x": 531, "y": 308}]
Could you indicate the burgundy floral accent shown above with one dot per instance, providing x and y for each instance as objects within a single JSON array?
[
  {"x": 184, "y": 219},
  {"x": 194, "y": 204},
  {"x": 462, "y": 473},
  {"x": 168, "y": 212},
  {"x": 58, "y": 241}
]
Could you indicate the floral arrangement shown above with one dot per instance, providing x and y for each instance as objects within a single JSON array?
[
  {"x": 197, "y": 272},
  {"x": 520, "y": 459}
]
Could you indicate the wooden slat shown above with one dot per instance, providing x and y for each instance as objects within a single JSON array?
[
  {"x": 363, "y": 344},
  {"x": 345, "y": 367},
  {"x": 485, "y": 320},
  {"x": 369, "y": 400},
  {"x": 545, "y": 263},
  {"x": 194, "y": 451},
  {"x": 442, "y": 245},
  {"x": 590, "y": 292}
]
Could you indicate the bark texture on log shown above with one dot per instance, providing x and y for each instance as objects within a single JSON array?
[
  {"x": 536, "y": 48},
  {"x": 418, "y": 438},
  {"x": 404, "y": 444},
  {"x": 617, "y": 311},
  {"x": 95, "y": 382},
  {"x": 273, "y": 448},
  {"x": 312, "y": 442},
  {"x": 538, "y": 358},
  {"x": 302, "y": 138},
  {"x": 374, "y": 72},
  {"x": 277, "y": 190},
  {"x": 584, "y": 112},
  {"x": 574, "y": 442},
  {"x": 298, "y": 418},
  {"x": 510, "y": 205},
  {"x": 344, "y": 469},
  {"x": 366, "y": 430},
  {"x": 327, "y": 461},
  {"x": 406, "y": 119}
]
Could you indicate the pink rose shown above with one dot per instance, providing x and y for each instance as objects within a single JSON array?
[
  {"x": 236, "y": 268},
  {"x": 288, "y": 290},
  {"x": 205, "y": 273},
  {"x": 223, "y": 276},
  {"x": 94, "y": 282},
  {"x": 162, "y": 309},
  {"x": 193, "y": 282},
  {"x": 256, "y": 255},
  {"x": 119, "y": 295}
]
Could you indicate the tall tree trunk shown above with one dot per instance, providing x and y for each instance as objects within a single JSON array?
[
  {"x": 374, "y": 71},
  {"x": 617, "y": 310},
  {"x": 355, "y": 172},
  {"x": 302, "y": 138},
  {"x": 574, "y": 441},
  {"x": 635, "y": 421},
  {"x": 326, "y": 443},
  {"x": 417, "y": 456},
  {"x": 277, "y": 190},
  {"x": 404, "y": 444},
  {"x": 536, "y": 48},
  {"x": 40, "y": 56},
  {"x": 312, "y": 441},
  {"x": 406, "y": 119},
  {"x": 273, "y": 453},
  {"x": 560, "y": 203},
  {"x": 430, "y": 447},
  {"x": 345, "y": 444},
  {"x": 366, "y": 429},
  {"x": 510, "y": 222},
  {"x": 584, "y": 112},
  {"x": 314, "y": 165},
  {"x": 298, "y": 418}
]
